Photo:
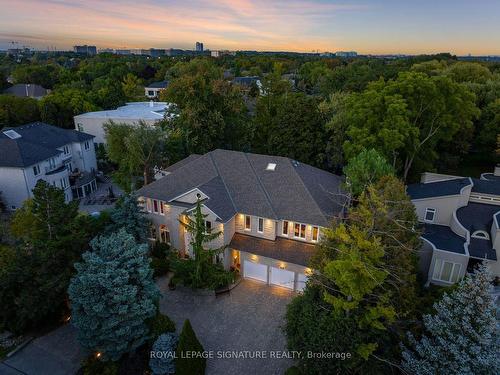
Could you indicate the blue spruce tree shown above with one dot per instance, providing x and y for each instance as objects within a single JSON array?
[
  {"x": 129, "y": 216},
  {"x": 163, "y": 362},
  {"x": 460, "y": 338},
  {"x": 112, "y": 295}
]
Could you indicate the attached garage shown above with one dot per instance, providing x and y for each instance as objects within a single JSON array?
[
  {"x": 255, "y": 271},
  {"x": 282, "y": 277}
]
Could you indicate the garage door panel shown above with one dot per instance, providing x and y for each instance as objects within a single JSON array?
[
  {"x": 255, "y": 271},
  {"x": 301, "y": 281},
  {"x": 282, "y": 277}
]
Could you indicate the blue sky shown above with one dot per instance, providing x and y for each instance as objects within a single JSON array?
[{"x": 367, "y": 26}]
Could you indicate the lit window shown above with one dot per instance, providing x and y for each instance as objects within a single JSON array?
[
  {"x": 285, "y": 228},
  {"x": 430, "y": 213},
  {"x": 248, "y": 225},
  {"x": 261, "y": 225},
  {"x": 300, "y": 230},
  {"x": 446, "y": 271},
  {"x": 315, "y": 233},
  {"x": 148, "y": 205}
]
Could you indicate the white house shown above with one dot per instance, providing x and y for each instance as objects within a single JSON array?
[
  {"x": 131, "y": 113},
  {"x": 270, "y": 210},
  {"x": 460, "y": 217},
  {"x": 38, "y": 151},
  {"x": 152, "y": 91}
]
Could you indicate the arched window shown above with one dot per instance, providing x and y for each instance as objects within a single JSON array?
[{"x": 481, "y": 234}]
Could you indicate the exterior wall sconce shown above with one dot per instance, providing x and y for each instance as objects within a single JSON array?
[
  {"x": 282, "y": 266},
  {"x": 254, "y": 257}
]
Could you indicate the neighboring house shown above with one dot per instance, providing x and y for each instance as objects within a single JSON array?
[
  {"x": 38, "y": 151},
  {"x": 460, "y": 218},
  {"x": 152, "y": 91},
  {"x": 93, "y": 122},
  {"x": 271, "y": 211},
  {"x": 27, "y": 90},
  {"x": 247, "y": 82}
]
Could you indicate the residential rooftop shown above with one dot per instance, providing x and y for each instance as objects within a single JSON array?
[
  {"x": 273, "y": 187},
  {"x": 157, "y": 85},
  {"x": 438, "y": 188},
  {"x": 26, "y": 90},
  {"x": 29, "y": 144},
  {"x": 132, "y": 111}
]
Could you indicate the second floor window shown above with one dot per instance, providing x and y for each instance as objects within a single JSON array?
[
  {"x": 285, "y": 228},
  {"x": 446, "y": 271},
  {"x": 300, "y": 230},
  {"x": 260, "y": 228},
  {"x": 430, "y": 213},
  {"x": 248, "y": 225},
  {"x": 86, "y": 145},
  {"x": 36, "y": 170},
  {"x": 66, "y": 150},
  {"x": 52, "y": 163},
  {"x": 162, "y": 212},
  {"x": 155, "y": 206}
]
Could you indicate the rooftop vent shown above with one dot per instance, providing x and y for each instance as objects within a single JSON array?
[
  {"x": 295, "y": 163},
  {"x": 12, "y": 134},
  {"x": 271, "y": 166}
]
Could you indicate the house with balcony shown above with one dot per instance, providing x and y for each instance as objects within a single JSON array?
[
  {"x": 460, "y": 218},
  {"x": 38, "y": 151},
  {"x": 271, "y": 211}
]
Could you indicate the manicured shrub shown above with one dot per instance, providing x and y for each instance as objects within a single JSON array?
[
  {"x": 160, "y": 250},
  {"x": 188, "y": 342},
  {"x": 162, "y": 359},
  {"x": 94, "y": 366},
  {"x": 159, "y": 325}
]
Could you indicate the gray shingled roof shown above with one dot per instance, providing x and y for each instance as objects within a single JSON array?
[
  {"x": 38, "y": 142},
  {"x": 287, "y": 250},
  {"x": 26, "y": 90},
  {"x": 438, "y": 188},
  {"x": 239, "y": 182},
  {"x": 158, "y": 85}
]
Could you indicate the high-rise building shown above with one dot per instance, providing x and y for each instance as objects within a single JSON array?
[
  {"x": 87, "y": 50},
  {"x": 199, "y": 47}
]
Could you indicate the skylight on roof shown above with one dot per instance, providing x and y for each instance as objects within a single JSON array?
[
  {"x": 12, "y": 134},
  {"x": 271, "y": 166}
]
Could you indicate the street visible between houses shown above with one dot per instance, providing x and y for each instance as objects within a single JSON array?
[{"x": 248, "y": 320}]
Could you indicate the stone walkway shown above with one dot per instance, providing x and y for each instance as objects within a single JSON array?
[{"x": 249, "y": 318}]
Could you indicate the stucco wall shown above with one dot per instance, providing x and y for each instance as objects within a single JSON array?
[
  {"x": 95, "y": 126},
  {"x": 445, "y": 206},
  {"x": 463, "y": 260},
  {"x": 13, "y": 187}
]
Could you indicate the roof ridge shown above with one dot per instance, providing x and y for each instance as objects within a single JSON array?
[
  {"x": 261, "y": 186},
  {"x": 307, "y": 190},
  {"x": 222, "y": 179}
]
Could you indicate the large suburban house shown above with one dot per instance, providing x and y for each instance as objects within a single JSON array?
[
  {"x": 271, "y": 210},
  {"x": 131, "y": 113},
  {"x": 38, "y": 151},
  {"x": 461, "y": 224},
  {"x": 152, "y": 91}
]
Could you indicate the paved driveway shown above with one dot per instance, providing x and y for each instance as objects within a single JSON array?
[
  {"x": 57, "y": 353},
  {"x": 250, "y": 318}
]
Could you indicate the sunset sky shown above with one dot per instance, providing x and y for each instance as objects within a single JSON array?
[{"x": 366, "y": 26}]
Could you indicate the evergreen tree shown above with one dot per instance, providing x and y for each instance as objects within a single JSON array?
[
  {"x": 199, "y": 237},
  {"x": 364, "y": 169},
  {"x": 164, "y": 347},
  {"x": 460, "y": 338},
  {"x": 112, "y": 295},
  {"x": 127, "y": 214},
  {"x": 188, "y": 342}
]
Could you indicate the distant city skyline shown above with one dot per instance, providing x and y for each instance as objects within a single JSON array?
[{"x": 366, "y": 26}]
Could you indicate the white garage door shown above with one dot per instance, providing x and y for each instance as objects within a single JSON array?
[
  {"x": 255, "y": 271},
  {"x": 282, "y": 278},
  {"x": 301, "y": 281}
]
